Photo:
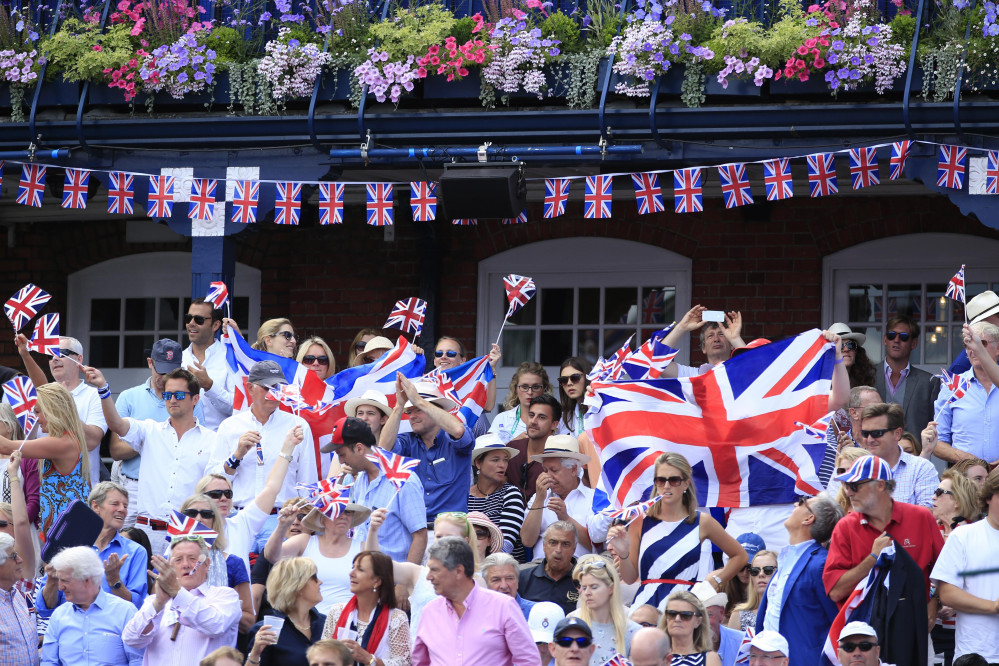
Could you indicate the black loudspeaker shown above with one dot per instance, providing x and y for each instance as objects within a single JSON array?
[{"x": 482, "y": 191}]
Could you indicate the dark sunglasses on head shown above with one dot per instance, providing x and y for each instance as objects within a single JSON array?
[
  {"x": 683, "y": 615},
  {"x": 755, "y": 571},
  {"x": 219, "y": 494},
  {"x": 849, "y": 345},
  {"x": 288, "y": 335},
  {"x": 940, "y": 491},
  {"x": 567, "y": 641},
  {"x": 450, "y": 353},
  {"x": 674, "y": 481},
  {"x": 179, "y": 395},
  {"x": 865, "y": 646},
  {"x": 570, "y": 379},
  {"x": 854, "y": 486},
  {"x": 309, "y": 359},
  {"x": 904, "y": 337},
  {"x": 875, "y": 434},
  {"x": 197, "y": 319},
  {"x": 204, "y": 513}
]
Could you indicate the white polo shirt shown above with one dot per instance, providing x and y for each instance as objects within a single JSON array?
[
  {"x": 216, "y": 402},
  {"x": 88, "y": 406},
  {"x": 579, "y": 506}
]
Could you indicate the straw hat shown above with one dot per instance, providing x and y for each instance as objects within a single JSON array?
[
  {"x": 562, "y": 446},
  {"x": 846, "y": 333},
  {"x": 491, "y": 442},
  {"x": 981, "y": 306},
  {"x": 370, "y": 397},
  {"x": 377, "y": 342},
  {"x": 430, "y": 391},
  {"x": 479, "y": 519}
]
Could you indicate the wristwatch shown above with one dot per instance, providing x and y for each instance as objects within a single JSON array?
[
  {"x": 116, "y": 586},
  {"x": 718, "y": 580},
  {"x": 286, "y": 456}
]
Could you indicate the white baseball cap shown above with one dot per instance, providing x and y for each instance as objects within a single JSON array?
[{"x": 542, "y": 620}]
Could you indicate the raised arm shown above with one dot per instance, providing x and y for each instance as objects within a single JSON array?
[
  {"x": 733, "y": 329},
  {"x": 390, "y": 431},
  {"x": 839, "y": 396},
  {"x": 447, "y": 421},
  {"x": 116, "y": 424},
  {"x": 35, "y": 373},
  {"x": 19, "y": 509},
  {"x": 265, "y": 500},
  {"x": 494, "y": 358}
]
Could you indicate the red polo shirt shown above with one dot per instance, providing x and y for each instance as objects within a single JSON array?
[{"x": 913, "y": 527}]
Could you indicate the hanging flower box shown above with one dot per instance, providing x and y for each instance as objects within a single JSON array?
[
  {"x": 436, "y": 86},
  {"x": 57, "y": 93},
  {"x": 335, "y": 85},
  {"x": 736, "y": 88}
]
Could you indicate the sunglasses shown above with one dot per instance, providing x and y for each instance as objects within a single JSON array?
[
  {"x": 567, "y": 641},
  {"x": 67, "y": 352},
  {"x": 204, "y": 513},
  {"x": 4, "y": 523},
  {"x": 849, "y": 345},
  {"x": 450, "y": 353},
  {"x": 219, "y": 494},
  {"x": 875, "y": 434},
  {"x": 197, "y": 319},
  {"x": 570, "y": 379},
  {"x": 841, "y": 470},
  {"x": 755, "y": 571},
  {"x": 359, "y": 347},
  {"x": 300, "y": 516},
  {"x": 854, "y": 486},
  {"x": 288, "y": 335},
  {"x": 865, "y": 646},
  {"x": 904, "y": 337},
  {"x": 179, "y": 395},
  {"x": 309, "y": 359},
  {"x": 673, "y": 481},
  {"x": 940, "y": 491},
  {"x": 683, "y": 615},
  {"x": 530, "y": 388}
]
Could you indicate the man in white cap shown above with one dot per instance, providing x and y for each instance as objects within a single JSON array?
[
  {"x": 858, "y": 645},
  {"x": 768, "y": 648},
  {"x": 560, "y": 495},
  {"x": 649, "y": 647},
  {"x": 726, "y": 640},
  {"x": 983, "y": 307},
  {"x": 372, "y": 408},
  {"x": 439, "y": 440},
  {"x": 542, "y": 620}
]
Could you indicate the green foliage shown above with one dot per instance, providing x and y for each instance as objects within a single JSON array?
[
  {"x": 605, "y": 20},
  {"x": 699, "y": 25},
  {"x": 578, "y": 77},
  {"x": 783, "y": 40},
  {"x": 903, "y": 27},
  {"x": 228, "y": 45},
  {"x": 73, "y": 50},
  {"x": 564, "y": 29},
  {"x": 413, "y": 31},
  {"x": 303, "y": 33},
  {"x": 735, "y": 38},
  {"x": 462, "y": 29}
]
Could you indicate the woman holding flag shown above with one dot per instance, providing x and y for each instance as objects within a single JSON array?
[
  {"x": 317, "y": 356},
  {"x": 662, "y": 551},
  {"x": 276, "y": 336}
]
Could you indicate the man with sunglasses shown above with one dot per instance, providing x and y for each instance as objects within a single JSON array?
[
  {"x": 205, "y": 359},
  {"x": 899, "y": 382},
  {"x": 572, "y": 643},
  {"x": 881, "y": 431},
  {"x": 858, "y": 645}
]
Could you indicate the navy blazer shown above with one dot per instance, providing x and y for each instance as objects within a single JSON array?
[{"x": 807, "y": 611}]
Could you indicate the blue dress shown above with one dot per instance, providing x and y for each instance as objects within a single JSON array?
[
  {"x": 58, "y": 490},
  {"x": 670, "y": 551}
]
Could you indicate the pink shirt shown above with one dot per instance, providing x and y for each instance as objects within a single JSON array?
[{"x": 491, "y": 631}]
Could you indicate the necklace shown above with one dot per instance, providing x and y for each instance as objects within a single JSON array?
[{"x": 481, "y": 491}]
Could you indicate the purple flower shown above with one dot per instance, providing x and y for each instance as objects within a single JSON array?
[
  {"x": 838, "y": 45},
  {"x": 832, "y": 58},
  {"x": 873, "y": 41}
]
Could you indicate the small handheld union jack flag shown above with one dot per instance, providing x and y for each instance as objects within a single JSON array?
[
  {"x": 408, "y": 315},
  {"x": 32, "y": 186},
  {"x": 330, "y": 203},
  {"x": 19, "y": 393},
  {"x": 217, "y": 295},
  {"x": 185, "y": 527},
  {"x": 955, "y": 288},
  {"x": 24, "y": 305},
  {"x": 956, "y": 384},
  {"x": 630, "y": 514},
  {"x": 519, "y": 290},
  {"x": 818, "y": 429},
  {"x": 556, "y": 196},
  {"x": 328, "y": 497},
  {"x": 289, "y": 395},
  {"x": 160, "y": 202},
  {"x": 617, "y": 660},
  {"x": 45, "y": 339},
  {"x": 397, "y": 469},
  {"x": 423, "y": 200},
  {"x": 75, "y": 187}
]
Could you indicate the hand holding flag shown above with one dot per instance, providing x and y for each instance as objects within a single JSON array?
[
  {"x": 45, "y": 339},
  {"x": 24, "y": 305},
  {"x": 218, "y": 295}
]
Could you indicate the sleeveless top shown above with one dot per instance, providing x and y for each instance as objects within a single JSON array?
[
  {"x": 696, "y": 659},
  {"x": 58, "y": 490},
  {"x": 747, "y": 619},
  {"x": 333, "y": 572},
  {"x": 669, "y": 551}
]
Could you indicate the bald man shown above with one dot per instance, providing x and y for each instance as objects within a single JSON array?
[{"x": 649, "y": 647}]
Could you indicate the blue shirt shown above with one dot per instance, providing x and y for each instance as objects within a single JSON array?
[
  {"x": 525, "y": 606},
  {"x": 728, "y": 647},
  {"x": 140, "y": 402},
  {"x": 970, "y": 424},
  {"x": 445, "y": 469},
  {"x": 132, "y": 574},
  {"x": 786, "y": 560},
  {"x": 407, "y": 515},
  {"x": 90, "y": 637}
]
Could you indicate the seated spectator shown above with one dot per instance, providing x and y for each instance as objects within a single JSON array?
[
  {"x": 139, "y": 537},
  {"x": 374, "y": 349},
  {"x": 975, "y": 469},
  {"x": 88, "y": 628},
  {"x": 601, "y": 608},
  {"x": 686, "y": 623},
  {"x": 494, "y": 496},
  {"x": 223, "y": 656},
  {"x": 858, "y": 645},
  {"x": 293, "y": 592},
  {"x": 542, "y": 621},
  {"x": 769, "y": 647},
  {"x": 737, "y": 588},
  {"x": 523, "y": 469},
  {"x": 844, "y": 461},
  {"x": 572, "y": 385},
  {"x": 572, "y": 642},
  {"x": 356, "y": 349},
  {"x": 499, "y": 570},
  {"x": 329, "y": 653},
  {"x": 911, "y": 445},
  {"x": 550, "y": 579},
  {"x": 724, "y": 641},
  {"x": 955, "y": 502},
  {"x": 645, "y": 615},
  {"x": 650, "y": 647},
  {"x": 372, "y": 408},
  {"x": 18, "y": 634},
  {"x": 488, "y": 538},
  {"x": 761, "y": 570}
]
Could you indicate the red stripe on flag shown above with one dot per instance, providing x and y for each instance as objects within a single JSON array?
[{"x": 795, "y": 371}]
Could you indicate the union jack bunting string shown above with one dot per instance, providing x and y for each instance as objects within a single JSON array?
[
  {"x": 288, "y": 203},
  {"x": 955, "y": 288},
  {"x": 24, "y": 305},
  {"x": 407, "y": 316},
  {"x": 864, "y": 167},
  {"x": 217, "y": 295},
  {"x": 950, "y": 169},
  {"x": 202, "y": 207},
  {"x": 160, "y": 196},
  {"x": 245, "y": 197},
  {"x": 821, "y": 175},
  {"x": 520, "y": 219},
  {"x": 19, "y": 393},
  {"x": 423, "y": 201},
  {"x": 330, "y": 203},
  {"x": 899, "y": 154},
  {"x": 735, "y": 185},
  {"x": 687, "y": 194},
  {"x": 777, "y": 179},
  {"x": 556, "y": 196},
  {"x": 464, "y": 222},
  {"x": 32, "y": 186},
  {"x": 597, "y": 198},
  {"x": 121, "y": 191},
  {"x": 379, "y": 204},
  {"x": 74, "y": 189},
  {"x": 648, "y": 194},
  {"x": 45, "y": 339},
  {"x": 992, "y": 173}
]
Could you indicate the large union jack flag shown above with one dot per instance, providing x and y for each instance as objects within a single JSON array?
[
  {"x": 330, "y": 203},
  {"x": 160, "y": 202},
  {"x": 899, "y": 154},
  {"x": 950, "y": 168},
  {"x": 687, "y": 194},
  {"x": 597, "y": 198},
  {"x": 648, "y": 194},
  {"x": 467, "y": 385},
  {"x": 649, "y": 360},
  {"x": 217, "y": 294},
  {"x": 556, "y": 196},
  {"x": 519, "y": 290},
  {"x": 19, "y": 393},
  {"x": 121, "y": 191},
  {"x": 735, "y": 425},
  {"x": 822, "y": 175},
  {"x": 955, "y": 288},
  {"x": 202, "y": 206},
  {"x": 74, "y": 188},
  {"x": 45, "y": 339},
  {"x": 423, "y": 200},
  {"x": 25, "y": 304},
  {"x": 397, "y": 469},
  {"x": 407, "y": 315},
  {"x": 615, "y": 364},
  {"x": 992, "y": 172},
  {"x": 379, "y": 204},
  {"x": 185, "y": 527},
  {"x": 864, "y": 167},
  {"x": 735, "y": 185},
  {"x": 777, "y": 179},
  {"x": 288, "y": 203},
  {"x": 32, "y": 186},
  {"x": 245, "y": 197}
]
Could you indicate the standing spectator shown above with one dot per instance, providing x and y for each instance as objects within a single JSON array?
[
  {"x": 761, "y": 570},
  {"x": 493, "y": 495},
  {"x": 276, "y": 336},
  {"x": 601, "y": 608},
  {"x": 205, "y": 359},
  {"x": 686, "y": 623},
  {"x": 18, "y": 636},
  {"x": 88, "y": 629},
  {"x": 450, "y": 353},
  {"x": 572, "y": 384},
  {"x": 374, "y": 349},
  {"x": 466, "y": 623},
  {"x": 529, "y": 381},
  {"x": 26, "y": 473},
  {"x": 499, "y": 570},
  {"x": 983, "y": 307},
  {"x": 915, "y": 477},
  {"x": 899, "y": 382},
  {"x": 717, "y": 340},
  {"x": 855, "y": 358},
  {"x": 328, "y": 652},
  {"x": 317, "y": 356},
  {"x": 293, "y": 592},
  {"x": 737, "y": 589}
]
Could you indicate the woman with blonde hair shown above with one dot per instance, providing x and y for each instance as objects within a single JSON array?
[
  {"x": 317, "y": 356},
  {"x": 600, "y": 607},
  {"x": 686, "y": 622},
  {"x": 955, "y": 501},
  {"x": 356, "y": 351},
  {"x": 762, "y": 569},
  {"x": 293, "y": 590},
  {"x": 844, "y": 461},
  {"x": 662, "y": 551},
  {"x": 276, "y": 336},
  {"x": 529, "y": 381},
  {"x": 65, "y": 461}
]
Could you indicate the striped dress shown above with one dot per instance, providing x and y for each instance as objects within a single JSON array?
[
  {"x": 507, "y": 510},
  {"x": 669, "y": 551}
]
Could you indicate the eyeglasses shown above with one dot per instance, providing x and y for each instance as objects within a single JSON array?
[
  {"x": 683, "y": 615},
  {"x": 865, "y": 646},
  {"x": 450, "y": 353},
  {"x": 197, "y": 319},
  {"x": 755, "y": 571},
  {"x": 67, "y": 352},
  {"x": 219, "y": 494},
  {"x": 309, "y": 359},
  {"x": 803, "y": 501},
  {"x": 849, "y": 345},
  {"x": 940, "y": 491},
  {"x": 854, "y": 486},
  {"x": 574, "y": 378},
  {"x": 288, "y": 335},
  {"x": 567, "y": 641},
  {"x": 530, "y": 388},
  {"x": 673, "y": 481},
  {"x": 204, "y": 513},
  {"x": 904, "y": 337},
  {"x": 178, "y": 395},
  {"x": 875, "y": 434}
]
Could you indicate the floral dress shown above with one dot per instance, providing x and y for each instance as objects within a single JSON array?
[{"x": 58, "y": 490}]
